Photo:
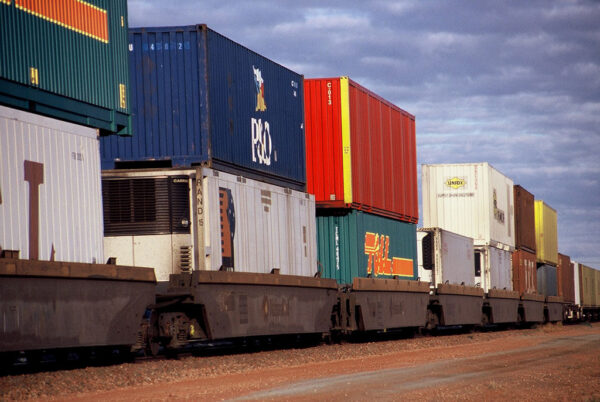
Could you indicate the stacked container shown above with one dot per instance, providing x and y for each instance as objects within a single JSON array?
[
  {"x": 67, "y": 60},
  {"x": 477, "y": 201},
  {"x": 524, "y": 263},
  {"x": 201, "y": 98},
  {"x": 546, "y": 234},
  {"x": 565, "y": 277},
  {"x": 67, "y": 63},
  {"x": 361, "y": 166}
]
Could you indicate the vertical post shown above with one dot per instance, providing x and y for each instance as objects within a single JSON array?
[{"x": 34, "y": 174}]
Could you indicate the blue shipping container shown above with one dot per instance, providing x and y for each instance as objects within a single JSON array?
[{"x": 197, "y": 97}]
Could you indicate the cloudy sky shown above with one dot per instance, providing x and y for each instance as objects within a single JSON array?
[{"x": 513, "y": 83}]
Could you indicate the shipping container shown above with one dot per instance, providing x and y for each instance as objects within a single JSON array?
[
  {"x": 546, "y": 233},
  {"x": 524, "y": 272},
  {"x": 50, "y": 201},
  {"x": 493, "y": 268},
  {"x": 445, "y": 257},
  {"x": 524, "y": 219},
  {"x": 577, "y": 282},
  {"x": 200, "y": 98},
  {"x": 471, "y": 199},
  {"x": 547, "y": 280},
  {"x": 202, "y": 219},
  {"x": 360, "y": 150},
  {"x": 355, "y": 244},
  {"x": 590, "y": 291},
  {"x": 67, "y": 59},
  {"x": 564, "y": 275}
]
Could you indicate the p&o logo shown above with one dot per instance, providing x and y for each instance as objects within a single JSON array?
[
  {"x": 262, "y": 145},
  {"x": 259, "y": 83},
  {"x": 455, "y": 182}
]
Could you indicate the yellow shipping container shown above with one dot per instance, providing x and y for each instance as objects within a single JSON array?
[{"x": 546, "y": 233}]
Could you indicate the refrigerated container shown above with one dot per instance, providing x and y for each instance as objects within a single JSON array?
[
  {"x": 524, "y": 219},
  {"x": 546, "y": 233},
  {"x": 50, "y": 201},
  {"x": 181, "y": 220},
  {"x": 547, "y": 280},
  {"x": 445, "y": 257},
  {"x": 360, "y": 150},
  {"x": 471, "y": 199},
  {"x": 67, "y": 59},
  {"x": 200, "y": 98},
  {"x": 355, "y": 244},
  {"x": 524, "y": 271},
  {"x": 493, "y": 268}
]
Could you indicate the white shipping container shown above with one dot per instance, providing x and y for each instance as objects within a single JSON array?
[
  {"x": 445, "y": 257},
  {"x": 50, "y": 200},
  {"x": 495, "y": 268},
  {"x": 576, "y": 269},
  {"x": 472, "y": 199},
  {"x": 227, "y": 222}
]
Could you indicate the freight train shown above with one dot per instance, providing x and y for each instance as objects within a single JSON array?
[{"x": 254, "y": 196}]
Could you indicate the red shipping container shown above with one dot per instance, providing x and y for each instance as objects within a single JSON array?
[
  {"x": 565, "y": 278},
  {"x": 524, "y": 219},
  {"x": 360, "y": 150},
  {"x": 524, "y": 266}
]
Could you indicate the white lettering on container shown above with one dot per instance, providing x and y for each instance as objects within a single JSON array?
[{"x": 262, "y": 146}]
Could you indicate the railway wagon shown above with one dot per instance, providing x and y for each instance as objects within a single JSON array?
[{"x": 62, "y": 306}]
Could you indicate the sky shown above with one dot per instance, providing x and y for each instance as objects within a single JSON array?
[{"x": 512, "y": 83}]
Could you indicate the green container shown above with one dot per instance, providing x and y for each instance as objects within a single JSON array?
[
  {"x": 67, "y": 59},
  {"x": 353, "y": 243}
]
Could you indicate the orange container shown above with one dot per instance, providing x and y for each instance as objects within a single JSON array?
[
  {"x": 524, "y": 272},
  {"x": 565, "y": 278},
  {"x": 360, "y": 150}
]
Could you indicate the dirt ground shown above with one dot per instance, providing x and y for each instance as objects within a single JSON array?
[{"x": 552, "y": 362}]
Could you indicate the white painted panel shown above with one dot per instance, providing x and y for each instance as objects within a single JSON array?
[
  {"x": 496, "y": 268},
  {"x": 474, "y": 200},
  {"x": 70, "y": 202},
  {"x": 274, "y": 227}
]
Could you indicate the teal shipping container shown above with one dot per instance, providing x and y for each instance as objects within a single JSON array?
[
  {"x": 67, "y": 59},
  {"x": 353, "y": 243}
]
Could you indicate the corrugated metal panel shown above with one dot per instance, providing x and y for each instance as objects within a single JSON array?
[
  {"x": 360, "y": 150},
  {"x": 524, "y": 219},
  {"x": 198, "y": 97},
  {"x": 546, "y": 280},
  {"x": 450, "y": 256},
  {"x": 50, "y": 205},
  {"x": 234, "y": 222},
  {"x": 495, "y": 268},
  {"x": 546, "y": 233},
  {"x": 524, "y": 271},
  {"x": 566, "y": 285},
  {"x": 353, "y": 244},
  {"x": 589, "y": 287},
  {"x": 76, "y": 50},
  {"x": 472, "y": 199}
]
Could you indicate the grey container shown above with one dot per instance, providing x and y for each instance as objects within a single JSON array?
[{"x": 546, "y": 280}]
